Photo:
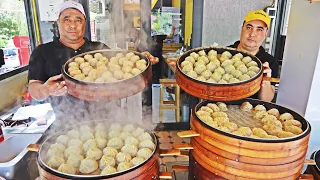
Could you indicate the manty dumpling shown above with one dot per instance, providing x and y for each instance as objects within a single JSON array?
[
  {"x": 223, "y": 128},
  {"x": 274, "y": 112},
  {"x": 118, "y": 74},
  {"x": 108, "y": 170},
  {"x": 219, "y": 114},
  {"x": 242, "y": 68},
  {"x": 106, "y": 161},
  {"x": 285, "y": 134},
  {"x": 212, "y": 124},
  {"x": 115, "y": 127},
  {"x": 222, "y": 106},
  {"x": 184, "y": 63},
  {"x": 205, "y": 118},
  {"x": 74, "y": 134},
  {"x": 292, "y": 122},
  {"x": 220, "y": 70},
  {"x": 231, "y": 126},
  {"x": 226, "y": 54},
  {"x": 246, "y": 59},
  {"x": 147, "y": 144},
  {"x": 88, "y": 166},
  {"x": 137, "y": 160},
  {"x": 79, "y": 60},
  {"x": 194, "y": 55},
  {"x": 187, "y": 68},
  {"x": 200, "y": 68},
  {"x": 246, "y": 131},
  {"x": 254, "y": 69},
  {"x": 116, "y": 142},
  {"x": 260, "y": 114},
  {"x": 211, "y": 66},
  {"x": 221, "y": 120},
  {"x": 210, "y": 80},
  {"x": 285, "y": 116},
  {"x": 124, "y": 134},
  {"x": 203, "y": 113},
  {"x": 214, "y": 107},
  {"x": 259, "y": 107},
  {"x": 206, "y": 74},
  {"x": 246, "y": 106},
  {"x": 67, "y": 168},
  {"x": 190, "y": 59},
  {"x": 54, "y": 152},
  {"x": 135, "y": 58},
  {"x": 63, "y": 139},
  {"x": 272, "y": 129},
  {"x": 75, "y": 160},
  {"x": 252, "y": 63},
  {"x": 130, "y": 149},
  {"x": 229, "y": 69},
  {"x": 85, "y": 128},
  {"x": 129, "y": 55},
  {"x": 205, "y": 108},
  {"x": 238, "y": 55},
  {"x": 124, "y": 166},
  {"x": 268, "y": 118},
  {"x": 226, "y": 63},
  {"x": 192, "y": 74},
  {"x": 203, "y": 58},
  {"x": 100, "y": 134},
  {"x": 94, "y": 153},
  {"x": 273, "y": 122},
  {"x": 75, "y": 142},
  {"x": 114, "y": 133},
  {"x": 234, "y": 80},
  {"x": 58, "y": 146},
  {"x": 236, "y": 73},
  {"x": 132, "y": 140},
  {"x": 145, "y": 136},
  {"x": 202, "y": 53},
  {"x": 238, "y": 63},
  {"x": 136, "y": 133},
  {"x": 251, "y": 73},
  {"x": 72, "y": 150},
  {"x": 55, "y": 162},
  {"x": 144, "y": 153},
  {"x": 123, "y": 157},
  {"x": 227, "y": 77},
  {"x": 110, "y": 151},
  {"x": 212, "y": 53},
  {"x": 89, "y": 144},
  {"x": 293, "y": 129},
  {"x": 259, "y": 132},
  {"x": 216, "y": 76}
]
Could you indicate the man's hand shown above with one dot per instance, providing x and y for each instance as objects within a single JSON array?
[
  {"x": 267, "y": 90},
  {"x": 54, "y": 87},
  {"x": 153, "y": 60}
]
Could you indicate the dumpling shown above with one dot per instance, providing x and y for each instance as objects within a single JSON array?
[
  {"x": 83, "y": 65},
  {"x": 119, "y": 55},
  {"x": 89, "y": 144},
  {"x": 192, "y": 74},
  {"x": 238, "y": 63},
  {"x": 136, "y": 133},
  {"x": 268, "y": 118},
  {"x": 246, "y": 59},
  {"x": 274, "y": 112},
  {"x": 214, "y": 107},
  {"x": 145, "y": 136},
  {"x": 211, "y": 66},
  {"x": 75, "y": 160},
  {"x": 222, "y": 106},
  {"x": 94, "y": 153},
  {"x": 205, "y": 108},
  {"x": 238, "y": 55},
  {"x": 106, "y": 161},
  {"x": 273, "y": 122},
  {"x": 227, "y": 77},
  {"x": 121, "y": 60},
  {"x": 135, "y": 58},
  {"x": 85, "y": 128},
  {"x": 203, "y": 113},
  {"x": 244, "y": 77},
  {"x": 93, "y": 62},
  {"x": 251, "y": 73},
  {"x": 205, "y": 118},
  {"x": 74, "y": 134},
  {"x": 239, "y": 133},
  {"x": 115, "y": 142},
  {"x": 216, "y": 62},
  {"x": 272, "y": 129},
  {"x": 201, "y": 78},
  {"x": 101, "y": 142},
  {"x": 226, "y": 63},
  {"x": 55, "y": 161},
  {"x": 123, "y": 157},
  {"x": 221, "y": 120},
  {"x": 110, "y": 151},
  {"x": 85, "y": 136},
  {"x": 136, "y": 161},
  {"x": 229, "y": 68},
  {"x": 73, "y": 64},
  {"x": 246, "y": 106},
  {"x": 72, "y": 150},
  {"x": 243, "y": 69},
  {"x": 108, "y": 170},
  {"x": 113, "y": 67},
  {"x": 128, "y": 63},
  {"x": 226, "y": 54},
  {"x": 79, "y": 60},
  {"x": 213, "y": 124},
  {"x": 246, "y": 131},
  {"x": 260, "y": 107},
  {"x": 58, "y": 146},
  {"x": 79, "y": 76},
  {"x": 223, "y": 128},
  {"x": 141, "y": 66},
  {"x": 190, "y": 59},
  {"x": 144, "y": 153},
  {"x": 114, "y": 133},
  {"x": 147, "y": 144},
  {"x": 210, "y": 80},
  {"x": 204, "y": 59},
  {"x": 106, "y": 75},
  {"x": 206, "y": 74},
  {"x": 194, "y": 55},
  {"x": 285, "y": 134},
  {"x": 234, "y": 80},
  {"x": 129, "y": 55},
  {"x": 293, "y": 129},
  {"x": 219, "y": 114},
  {"x": 236, "y": 73},
  {"x": 54, "y": 152},
  {"x": 75, "y": 142},
  {"x": 118, "y": 74},
  {"x": 132, "y": 141},
  {"x": 100, "y": 134},
  {"x": 292, "y": 122},
  {"x": 199, "y": 69},
  {"x": 88, "y": 166},
  {"x": 285, "y": 116},
  {"x": 220, "y": 70},
  {"x": 124, "y": 135},
  {"x": 187, "y": 68},
  {"x": 127, "y": 76},
  {"x": 216, "y": 76},
  {"x": 260, "y": 114},
  {"x": 115, "y": 127},
  {"x": 128, "y": 127},
  {"x": 252, "y": 63},
  {"x": 231, "y": 126},
  {"x": 63, "y": 139},
  {"x": 271, "y": 137},
  {"x": 259, "y": 132},
  {"x": 75, "y": 72},
  {"x": 124, "y": 166},
  {"x": 184, "y": 63},
  {"x": 212, "y": 53},
  {"x": 254, "y": 69},
  {"x": 202, "y": 53},
  {"x": 130, "y": 149},
  {"x": 222, "y": 81},
  {"x": 67, "y": 168}
]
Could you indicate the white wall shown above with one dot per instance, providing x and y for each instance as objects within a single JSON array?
[{"x": 300, "y": 56}]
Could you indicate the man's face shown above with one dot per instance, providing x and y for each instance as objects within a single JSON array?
[
  {"x": 71, "y": 26},
  {"x": 253, "y": 34}
]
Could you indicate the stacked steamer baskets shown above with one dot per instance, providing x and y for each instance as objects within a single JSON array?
[
  {"x": 107, "y": 74},
  {"x": 234, "y": 137}
]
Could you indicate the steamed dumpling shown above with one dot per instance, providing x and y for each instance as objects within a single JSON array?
[
  {"x": 85, "y": 128},
  {"x": 219, "y": 114},
  {"x": 144, "y": 153},
  {"x": 63, "y": 139},
  {"x": 246, "y": 59},
  {"x": 115, "y": 127},
  {"x": 100, "y": 127},
  {"x": 199, "y": 69},
  {"x": 75, "y": 160},
  {"x": 88, "y": 166},
  {"x": 285, "y": 116},
  {"x": 244, "y": 77},
  {"x": 252, "y": 63},
  {"x": 260, "y": 107},
  {"x": 124, "y": 166},
  {"x": 137, "y": 160},
  {"x": 293, "y": 129},
  {"x": 108, "y": 170},
  {"x": 206, "y": 74},
  {"x": 254, "y": 69},
  {"x": 115, "y": 142},
  {"x": 94, "y": 153},
  {"x": 100, "y": 134},
  {"x": 212, "y": 53},
  {"x": 274, "y": 112},
  {"x": 203, "y": 113},
  {"x": 242, "y": 68},
  {"x": 124, "y": 135},
  {"x": 101, "y": 142},
  {"x": 89, "y": 144},
  {"x": 132, "y": 140},
  {"x": 251, "y": 73},
  {"x": 272, "y": 129},
  {"x": 273, "y": 122},
  {"x": 213, "y": 124},
  {"x": 192, "y": 74},
  {"x": 129, "y": 55},
  {"x": 58, "y": 146},
  {"x": 145, "y": 136},
  {"x": 67, "y": 168},
  {"x": 220, "y": 70},
  {"x": 123, "y": 157},
  {"x": 292, "y": 122},
  {"x": 260, "y": 114},
  {"x": 226, "y": 54},
  {"x": 114, "y": 133},
  {"x": 128, "y": 127},
  {"x": 259, "y": 132},
  {"x": 246, "y": 106},
  {"x": 110, "y": 151},
  {"x": 137, "y": 132},
  {"x": 205, "y": 108},
  {"x": 187, "y": 68},
  {"x": 246, "y": 131},
  {"x": 107, "y": 161},
  {"x": 147, "y": 144},
  {"x": 205, "y": 118},
  {"x": 54, "y": 152},
  {"x": 75, "y": 142},
  {"x": 221, "y": 120},
  {"x": 214, "y": 107},
  {"x": 222, "y": 106},
  {"x": 236, "y": 73},
  {"x": 55, "y": 162},
  {"x": 231, "y": 126},
  {"x": 74, "y": 134},
  {"x": 85, "y": 136},
  {"x": 190, "y": 59},
  {"x": 268, "y": 118},
  {"x": 130, "y": 149},
  {"x": 211, "y": 66},
  {"x": 72, "y": 150},
  {"x": 229, "y": 68}
]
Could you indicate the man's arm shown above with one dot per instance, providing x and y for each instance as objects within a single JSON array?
[
  {"x": 170, "y": 36},
  {"x": 267, "y": 90}
]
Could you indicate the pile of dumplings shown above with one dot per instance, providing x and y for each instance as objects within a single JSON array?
[
  {"x": 220, "y": 69},
  {"x": 275, "y": 125},
  {"x": 100, "y": 150},
  {"x": 98, "y": 68}
]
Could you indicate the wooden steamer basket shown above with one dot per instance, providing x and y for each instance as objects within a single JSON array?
[
  {"x": 149, "y": 169},
  {"x": 93, "y": 91},
  {"x": 237, "y": 157},
  {"x": 219, "y": 92}
]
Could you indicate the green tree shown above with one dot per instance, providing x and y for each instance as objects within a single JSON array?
[{"x": 9, "y": 27}]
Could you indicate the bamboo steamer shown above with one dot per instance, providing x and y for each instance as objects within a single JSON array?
[
  {"x": 236, "y": 157},
  {"x": 219, "y": 92}
]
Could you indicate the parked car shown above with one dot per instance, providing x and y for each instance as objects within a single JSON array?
[{"x": 11, "y": 57}]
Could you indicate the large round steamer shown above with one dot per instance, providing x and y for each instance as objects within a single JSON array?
[
  {"x": 236, "y": 157},
  {"x": 93, "y": 91},
  {"x": 218, "y": 92},
  {"x": 149, "y": 169}
]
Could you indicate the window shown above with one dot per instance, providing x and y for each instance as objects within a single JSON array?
[{"x": 14, "y": 39}]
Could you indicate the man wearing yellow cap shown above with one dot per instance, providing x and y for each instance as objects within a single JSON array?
[{"x": 253, "y": 32}]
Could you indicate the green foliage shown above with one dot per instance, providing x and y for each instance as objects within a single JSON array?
[
  {"x": 3, "y": 42},
  {"x": 9, "y": 27}
]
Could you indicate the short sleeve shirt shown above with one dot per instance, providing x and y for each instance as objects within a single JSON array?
[{"x": 264, "y": 57}]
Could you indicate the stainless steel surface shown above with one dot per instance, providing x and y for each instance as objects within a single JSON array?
[{"x": 13, "y": 161}]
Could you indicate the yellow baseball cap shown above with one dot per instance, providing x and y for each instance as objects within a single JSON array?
[{"x": 258, "y": 15}]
